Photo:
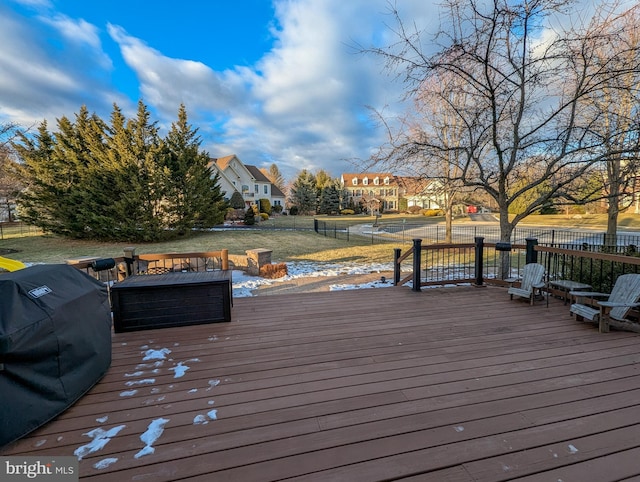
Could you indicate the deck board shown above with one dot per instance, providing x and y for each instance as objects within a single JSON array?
[{"x": 452, "y": 384}]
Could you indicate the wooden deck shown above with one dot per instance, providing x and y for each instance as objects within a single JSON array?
[{"x": 452, "y": 384}]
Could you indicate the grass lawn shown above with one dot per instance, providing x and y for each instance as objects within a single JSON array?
[
  {"x": 287, "y": 245},
  {"x": 571, "y": 221}
]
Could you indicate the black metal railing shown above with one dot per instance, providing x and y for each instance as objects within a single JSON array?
[{"x": 499, "y": 263}]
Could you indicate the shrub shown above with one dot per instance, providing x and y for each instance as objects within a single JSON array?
[
  {"x": 249, "y": 217},
  {"x": 432, "y": 212},
  {"x": 235, "y": 214},
  {"x": 273, "y": 271},
  {"x": 264, "y": 216},
  {"x": 414, "y": 209},
  {"x": 277, "y": 208},
  {"x": 346, "y": 212},
  {"x": 293, "y": 210},
  {"x": 236, "y": 201},
  {"x": 265, "y": 206}
]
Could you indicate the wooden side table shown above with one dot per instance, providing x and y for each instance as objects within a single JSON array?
[{"x": 566, "y": 286}]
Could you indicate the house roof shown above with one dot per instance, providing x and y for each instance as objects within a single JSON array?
[
  {"x": 223, "y": 162},
  {"x": 348, "y": 178},
  {"x": 276, "y": 192},
  {"x": 413, "y": 185},
  {"x": 257, "y": 173}
]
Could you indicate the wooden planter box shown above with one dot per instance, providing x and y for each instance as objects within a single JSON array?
[{"x": 174, "y": 299}]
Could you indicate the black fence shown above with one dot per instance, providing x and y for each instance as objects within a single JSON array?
[
  {"x": 405, "y": 233},
  {"x": 18, "y": 230}
]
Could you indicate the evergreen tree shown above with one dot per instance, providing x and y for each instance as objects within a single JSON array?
[
  {"x": 329, "y": 202},
  {"x": 250, "y": 216},
  {"x": 38, "y": 204},
  {"x": 119, "y": 181},
  {"x": 193, "y": 194},
  {"x": 237, "y": 201},
  {"x": 303, "y": 192},
  {"x": 138, "y": 178},
  {"x": 323, "y": 179}
]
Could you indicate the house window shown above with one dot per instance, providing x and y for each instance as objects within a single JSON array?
[
  {"x": 386, "y": 180},
  {"x": 245, "y": 188},
  {"x": 266, "y": 189},
  {"x": 376, "y": 181},
  {"x": 365, "y": 181},
  {"x": 355, "y": 181},
  {"x": 256, "y": 188}
]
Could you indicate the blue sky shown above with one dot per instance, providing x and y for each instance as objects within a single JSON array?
[{"x": 269, "y": 81}]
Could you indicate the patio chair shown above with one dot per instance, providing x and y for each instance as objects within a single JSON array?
[
  {"x": 532, "y": 280},
  {"x": 624, "y": 296}
]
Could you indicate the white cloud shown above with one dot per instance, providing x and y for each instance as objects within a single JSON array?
[
  {"x": 77, "y": 31},
  {"x": 166, "y": 82},
  {"x": 304, "y": 104},
  {"x": 36, "y": 82}
]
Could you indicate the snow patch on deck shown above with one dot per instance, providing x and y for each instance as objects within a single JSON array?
[
  {"x": 153, "y": 433},
  {"x": 100, "y": 439}
]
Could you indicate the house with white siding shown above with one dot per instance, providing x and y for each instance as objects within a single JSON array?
[{"x": 248, "y": 180}]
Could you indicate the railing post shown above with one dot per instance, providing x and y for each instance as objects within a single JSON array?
[
  {"x": 224, "y": 259},
  {"x": 129, "y": 258},
  {"x": 531, "y": 254},
  {"x": 417, "y": 255},
  {"x": 396, "y": 266},
  {"x": 479, "y": 240},
  {"x": 315, "y": 224}
]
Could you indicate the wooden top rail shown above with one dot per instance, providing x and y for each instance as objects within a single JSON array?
[
  {"x": 223, "y": 254},
  {"x": 616, "y": 258},
  {"x": 86, "y": 263}
]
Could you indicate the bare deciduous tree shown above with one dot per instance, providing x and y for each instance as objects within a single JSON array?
[
  {"x": 10, "y": 183},
  {"x": 514, "y": 92},
  {"x": 613, "y": 110}
]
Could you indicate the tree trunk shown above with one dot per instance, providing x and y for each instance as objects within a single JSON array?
[
  {"x": 611, "y": 238},
  {"x": 504, "y": 257},
  {"x": 448, "y": 221}
]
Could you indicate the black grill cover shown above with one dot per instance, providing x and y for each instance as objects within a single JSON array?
[{"x": 55, "y": 343}]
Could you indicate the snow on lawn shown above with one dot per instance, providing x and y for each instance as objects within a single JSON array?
[{"x": 243, "y": 284}]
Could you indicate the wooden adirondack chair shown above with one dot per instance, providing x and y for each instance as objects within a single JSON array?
[
  {"x": 623, "y": 297},
  {"x": 532, "y": 280}
]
